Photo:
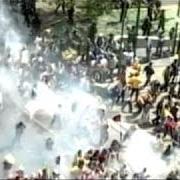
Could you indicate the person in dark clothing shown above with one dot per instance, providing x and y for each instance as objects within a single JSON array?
[
  {"x": 157, "y": 10},
  {"x": 19, "y": 130},
  {"x": 172, "y": 90},
  {"x": 132, "y": 38},
  {"x": 25, "y": 13},
  {"x": 149, "y": 72},
  {"x": 150, "y": 10},
  {"x": 174, "y": 71},
  {"x": 166, "y": 77},
  {"x": 70, "y": 12},
  {"x": 161, "y": 25},
  {"x": 124, "y": 9},
  {"x": 92, "y": 32},
  {"x": 158, "y": 112},
  {"x": 174, "y": 111},
  {"x": 160, "y": 43},
  {"x": 171, "y": 38},
  {"x": 146, "y": 26},
  {"x": 61, "y": 4},
  {"x": 168, "y": 151},
  {"x": 172, "y": 176},
  {"x": 178, "y": 92}
]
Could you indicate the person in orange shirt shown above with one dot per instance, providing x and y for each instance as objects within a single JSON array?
[{"x": 134, "y": 83}]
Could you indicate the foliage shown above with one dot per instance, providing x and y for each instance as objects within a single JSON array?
[{"x": 95, "y": 8}]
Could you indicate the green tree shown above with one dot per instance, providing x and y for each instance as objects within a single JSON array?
[{"x": 95, "y": 8}]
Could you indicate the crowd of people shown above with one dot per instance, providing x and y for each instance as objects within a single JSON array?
[
  {"x": 44, "y": 61},
  {"x": 131, "y": 90}
]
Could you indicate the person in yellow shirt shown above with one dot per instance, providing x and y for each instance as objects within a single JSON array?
[
  {"x": 166, "y": 111},
  {"x": 77, "y": 169},
  {"x": 136, "y": 66},
  {"x": 134, "y": 83}
]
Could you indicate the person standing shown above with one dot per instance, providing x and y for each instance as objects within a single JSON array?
[
  {"x": 160, "y": 43},
  {"x": 174, "y": 111},
  {"x": 171, "y": 38},
  {"x": 92, "y": 32},
  {"x": 146, "y": 26},
  {"x": 19, "y": 131},
  {"x": 157, "y": 10},
  {"x": 103, "y": 133},
  {"x": 174, "y": 71},
  {"x": 166, "y": 77},
  {"x": 124, "y": 9},
  {"x": 135, "y": 82},
  {"x": 127, "y": 99},
  {"x": 161, "y": 25},
  {"x": 149, "y": 71},
  {"x": 70, "y": 11},
  {"x": 132, "y": 38},
  {"x": 148, "y": 49},
  {"x": 150, "y": 9},
  {"x": 60, "y": 3}
]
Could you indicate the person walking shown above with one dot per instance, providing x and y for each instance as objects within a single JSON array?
[{"x": 149, "y": 71}]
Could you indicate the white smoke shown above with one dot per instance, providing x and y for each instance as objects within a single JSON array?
[{"x": 78, "y": 130}]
